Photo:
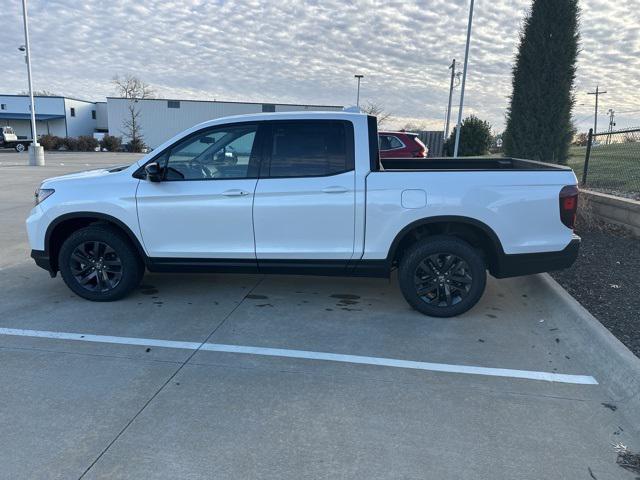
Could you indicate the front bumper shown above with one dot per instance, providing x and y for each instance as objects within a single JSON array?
[
  {"x": 43, "y": 261},
  {"x": 530, "y": 263}
]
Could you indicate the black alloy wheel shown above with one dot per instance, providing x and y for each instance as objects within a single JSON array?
[
  {"x": 100, "y": 263},
  {"x": 96, "y": 266},
  {"x": 442, "y": 276}
]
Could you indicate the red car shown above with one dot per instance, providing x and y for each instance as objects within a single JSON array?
[{"x": 401, "y": 145}]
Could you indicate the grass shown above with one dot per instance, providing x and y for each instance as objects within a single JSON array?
[{"x": 612, "y": 168}]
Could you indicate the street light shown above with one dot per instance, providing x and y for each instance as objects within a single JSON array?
[
  {"x": 36, "y": 152},
  {"x": 464, "y": 80},
  {"x": 359, "y": 77}
]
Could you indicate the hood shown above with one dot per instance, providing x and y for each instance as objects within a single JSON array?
[{"x": 99, "y": 172}]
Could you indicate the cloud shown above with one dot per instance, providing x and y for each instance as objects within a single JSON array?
[{"x": 308, "y": 51}]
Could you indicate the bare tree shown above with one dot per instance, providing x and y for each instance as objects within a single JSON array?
[
  {"x": 40, "y": 93},
  {"x": 133, "y": 89},
  {"x": 130, "y": 86},
  {"x": 378, "y": 111},
  {"x": 415, "y": 127}
]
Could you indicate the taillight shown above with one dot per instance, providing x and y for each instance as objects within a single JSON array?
[{"x": 569, "y": 205}]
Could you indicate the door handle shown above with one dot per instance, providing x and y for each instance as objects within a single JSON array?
[
  {"x": 335, "y": 189},
  {"x": 235, "y": 193}
]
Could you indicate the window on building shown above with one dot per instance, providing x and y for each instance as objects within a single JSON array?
[
  {"x": 173, "y": 103},
  {"x": 311, "y": 149},
  {"x": 268, "y": 107},
  {"x": 93, "y": 114},
  {"x": 73, "y": 112}
]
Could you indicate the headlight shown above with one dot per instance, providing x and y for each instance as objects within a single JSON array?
[{"x": 42, "y": 194}]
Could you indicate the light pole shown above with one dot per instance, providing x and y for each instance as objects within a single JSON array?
[
  {"x": 464, "y": 80},
  {"x": 36, "y": 152},
  {"x": 359, "y": 77},
  {"x": 454, "y": 76}
]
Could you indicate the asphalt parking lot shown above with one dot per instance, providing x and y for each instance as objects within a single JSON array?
[{"x": 246, "y": 376}]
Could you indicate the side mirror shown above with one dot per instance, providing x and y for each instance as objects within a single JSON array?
[{"x": 153, "y": 171}]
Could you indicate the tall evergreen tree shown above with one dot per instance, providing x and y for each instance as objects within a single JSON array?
[{"x": 539, "y": 123}]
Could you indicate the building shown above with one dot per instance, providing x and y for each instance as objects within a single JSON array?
[
  {"x": 161, "y": 119},
  {"x": 60, "y": 116}
]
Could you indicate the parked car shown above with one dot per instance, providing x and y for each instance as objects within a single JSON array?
[
  {"x": 401, "y": 145},
  {"x": 9, "y": 139},
  {"x": 306, "y": 193}
]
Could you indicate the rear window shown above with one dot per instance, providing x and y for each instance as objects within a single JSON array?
[
  {"x": 389, "y": 142},
  {"x": 311, "y": 148}
]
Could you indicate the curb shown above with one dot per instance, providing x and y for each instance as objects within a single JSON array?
[{"x": 619, "y": 368}]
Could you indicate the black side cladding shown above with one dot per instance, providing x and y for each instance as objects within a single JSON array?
[{"x": 374, "y": 154}]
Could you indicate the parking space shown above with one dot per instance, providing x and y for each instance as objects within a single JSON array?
[{"x": 246, "y": 376}]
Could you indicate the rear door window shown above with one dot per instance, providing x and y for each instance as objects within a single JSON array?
[{"x": 311, "y": 148}]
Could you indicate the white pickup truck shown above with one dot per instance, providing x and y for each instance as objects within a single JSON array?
[{"x": 305, "y": 193}]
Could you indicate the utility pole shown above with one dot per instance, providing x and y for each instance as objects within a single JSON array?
[
  {"x": 452, "y": 67},
  {"x": 612, "y": 123},
  {"x": 464, "y": 81},
  {"x": 597, "y": 93},
  {"x": 359, "y": 77},
  {"x": 36, "y": 152}
]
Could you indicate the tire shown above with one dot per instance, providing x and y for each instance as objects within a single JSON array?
[
  {"x": 20, "y": 147},
  {"x": 431, "y": 268},
  {"x": 99, "y": 263}
]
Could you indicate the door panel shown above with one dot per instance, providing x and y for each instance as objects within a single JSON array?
[
  {"x": 197, "y": 219},
  {"x": 305, "y": 218}
]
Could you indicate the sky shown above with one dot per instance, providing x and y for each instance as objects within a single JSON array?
[{"x": 294, "y": 51}]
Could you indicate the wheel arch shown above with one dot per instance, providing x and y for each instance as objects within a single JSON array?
[
  {"x": 64, "y": 225},
  {"x": 475, "y": 232}
]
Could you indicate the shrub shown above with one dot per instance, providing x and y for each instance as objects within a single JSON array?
[
  {"x": 70, "y": 144},
  {"x": 50, "y": 142},
  {"x": 87, "y": 143},
  {"x": 111, "y": 143},
  {"x": 475, "y": 138},
  {"x": 136, "y": 145}
]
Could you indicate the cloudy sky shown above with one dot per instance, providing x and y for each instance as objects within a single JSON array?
[{"x": 295, "y": 51}]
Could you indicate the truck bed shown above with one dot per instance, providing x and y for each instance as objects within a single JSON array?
[{"x": 467, "y": 163}]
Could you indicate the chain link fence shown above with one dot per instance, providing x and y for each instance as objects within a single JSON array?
[{"x": 609, "y": 162}]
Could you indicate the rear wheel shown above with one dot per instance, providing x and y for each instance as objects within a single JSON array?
[
  {"x": 100, "y": 264},
  {"x": 442, "y": 276},
  {"x": 20, "y": 147}
]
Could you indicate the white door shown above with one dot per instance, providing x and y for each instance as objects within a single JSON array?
[
  {"x": 304, "y": 206},
  {"x": 202, "y": 207}
]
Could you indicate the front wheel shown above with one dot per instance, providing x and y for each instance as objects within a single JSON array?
[
  {"x": 20, "y": 147},
  {"x": 442, "y": 276},
  {"x": 100, "y": 264}
]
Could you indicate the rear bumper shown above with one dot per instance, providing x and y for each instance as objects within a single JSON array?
[
  {"x": 529, "y": 263},
  {"x": 43, "y": 261}
]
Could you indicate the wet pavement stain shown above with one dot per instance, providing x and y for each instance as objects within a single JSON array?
[
  {"x": 345, "y": 296},
  {"x": 253, "y": 296},
  {"x": 491, "y": 315},
  {"x": 264, "y": 305},
  {"x": 148, "y": 289}
]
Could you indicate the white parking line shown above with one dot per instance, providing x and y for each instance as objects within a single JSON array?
[{"x": 333, "y": 357}]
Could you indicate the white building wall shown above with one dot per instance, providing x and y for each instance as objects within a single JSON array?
[
  {"x": 83, "y": 122},
  {"x": 44, "y": 105},
  {"x": 159, "y": 122},
  {"x": 102, "y": 122}
]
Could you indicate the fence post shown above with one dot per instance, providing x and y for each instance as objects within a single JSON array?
[{"x": 586, "y": 158}]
